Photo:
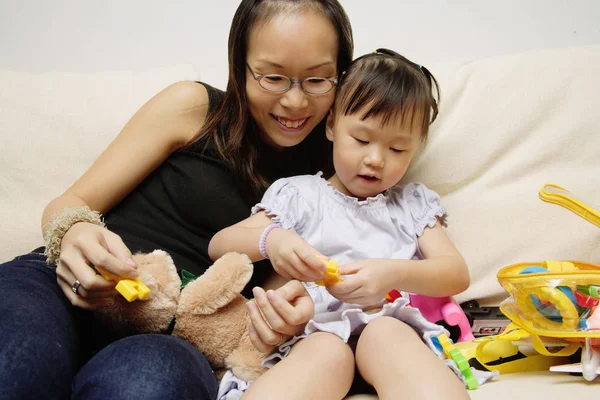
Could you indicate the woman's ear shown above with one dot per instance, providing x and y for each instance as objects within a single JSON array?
[{"x": 329, "y": 126}]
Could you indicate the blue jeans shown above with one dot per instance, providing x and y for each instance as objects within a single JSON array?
[{"x": 52, "y": 350}]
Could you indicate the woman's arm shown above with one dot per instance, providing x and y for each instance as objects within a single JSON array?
[{"x": 164, "y": 124}]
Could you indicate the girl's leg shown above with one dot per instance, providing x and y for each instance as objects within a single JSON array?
[
  {"x": 392, "y": 357},
  {"x": 38, "y": 338},
  {"x": 318, "y": 367},
  {"x": 147, "y": 367}
]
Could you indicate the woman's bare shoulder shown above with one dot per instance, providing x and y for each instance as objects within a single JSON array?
[{"x": 182, "y": 107}]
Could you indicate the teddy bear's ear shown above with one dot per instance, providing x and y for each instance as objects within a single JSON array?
[{"x": 218, "y": 286}]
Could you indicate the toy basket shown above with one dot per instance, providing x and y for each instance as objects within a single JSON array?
[
  {"x": 553, "y": 298},
  {"x": 556, "y": 299}
]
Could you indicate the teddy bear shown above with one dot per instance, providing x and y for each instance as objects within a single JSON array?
[{"x": 209, "y": 312}]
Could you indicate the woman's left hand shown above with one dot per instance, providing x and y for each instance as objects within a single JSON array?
[
  {"x": 368, "y": 283},
  {"x": 277, "y": 315}
]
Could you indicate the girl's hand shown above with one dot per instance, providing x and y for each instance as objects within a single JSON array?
[
  {"x": 86, "y": 244},
  {"x": 277, "y": 315},
  {"x": 292, "y": 257},
  {"x": 368, "y": 283}
]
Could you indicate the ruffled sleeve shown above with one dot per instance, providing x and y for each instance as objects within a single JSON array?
[
  {"x": 286, "y": 206},
  {"x": 424, "y": 207}
]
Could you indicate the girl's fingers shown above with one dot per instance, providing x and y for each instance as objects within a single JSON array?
[
  {"x": 349, "y": 269},
  {"x": 281, "y": 269},
  {"x": 313, "y": 260},
  {"x": 303, "y": 271},
  {"x": 345, "y": 287}
]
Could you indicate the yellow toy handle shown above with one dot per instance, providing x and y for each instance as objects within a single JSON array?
[
  {"x": 555, "y": 194},
  {"x": 514, "y": 333}
]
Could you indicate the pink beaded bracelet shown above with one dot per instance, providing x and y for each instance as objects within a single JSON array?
[{"x": 263, "y": 239}]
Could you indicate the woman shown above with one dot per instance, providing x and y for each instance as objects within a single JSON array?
[{"x": 190, "y": 162}]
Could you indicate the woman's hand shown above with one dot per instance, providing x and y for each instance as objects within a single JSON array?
[
  {"x": 86, "y": 244},
  {"x": 292, "y": 257},
  {"x": 276, "y": 315},
  {"x": 368, "y": 283}
]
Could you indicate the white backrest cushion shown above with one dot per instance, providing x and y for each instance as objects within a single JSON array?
[
  {"x": 52, "y": 127},
  {"x": 507, "y": 126}
]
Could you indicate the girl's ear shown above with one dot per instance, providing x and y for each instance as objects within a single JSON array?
[{"x": 329, "y": 126}]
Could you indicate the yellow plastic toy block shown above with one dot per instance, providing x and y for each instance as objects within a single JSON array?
[
  {"x": 130, "y": 289},
  {"x": 332, "y": 274}
]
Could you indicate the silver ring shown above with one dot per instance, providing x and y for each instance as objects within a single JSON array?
[{"x": 75, "y": 287}]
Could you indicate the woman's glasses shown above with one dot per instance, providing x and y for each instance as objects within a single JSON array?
[{"x": 281, "y": 83}]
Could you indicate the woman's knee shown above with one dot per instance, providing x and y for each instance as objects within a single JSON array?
[{"x": 149, "y": 367}]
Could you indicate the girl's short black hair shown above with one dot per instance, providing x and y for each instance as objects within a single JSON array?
[{"x": 388, "y": 85}]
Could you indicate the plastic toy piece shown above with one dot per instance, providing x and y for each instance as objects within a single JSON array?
[
  {"x": 133, "y": 289},
  {"x": 558, "y": 195},
  {"x": 583, "y": 300},
  {"x": 589, "y": 366},
  {"x": 130, "y": 289},
  {"x": 332, "y": 274},
  {"x": 561, "y": 298},
  {"x": 506, "y": 356},
  {"x": 459, "y": 359},
  {"x": 436, "y": 309},
  {"x": 590, "y": 290},
  {"x": 392, "y": 295}
]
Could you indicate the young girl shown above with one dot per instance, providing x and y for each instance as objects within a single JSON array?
[{"x": 383, "y": 236}]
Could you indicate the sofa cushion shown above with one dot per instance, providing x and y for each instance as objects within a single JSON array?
[
  {"x": 53, "y": 127},
  {"x": 507, "y": 126}
]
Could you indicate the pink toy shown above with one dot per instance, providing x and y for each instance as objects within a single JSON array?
[{"x": 436, "y": 309}]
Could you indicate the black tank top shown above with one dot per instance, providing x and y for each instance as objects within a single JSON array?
[{"x": 191, "y": 196}]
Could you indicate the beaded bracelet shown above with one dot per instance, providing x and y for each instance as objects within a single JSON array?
[{"x": 263, "y": 239}]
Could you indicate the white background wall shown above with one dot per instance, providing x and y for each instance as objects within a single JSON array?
[{"x": 95, "y": 35}]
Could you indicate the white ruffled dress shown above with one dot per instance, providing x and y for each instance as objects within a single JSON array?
[{"x": 347, "y": 230}]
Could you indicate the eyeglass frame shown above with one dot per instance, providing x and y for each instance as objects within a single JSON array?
[{"x": 334, "y": 82}]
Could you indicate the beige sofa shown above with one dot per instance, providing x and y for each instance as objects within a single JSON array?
[{"x": 507, "y": 126}]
